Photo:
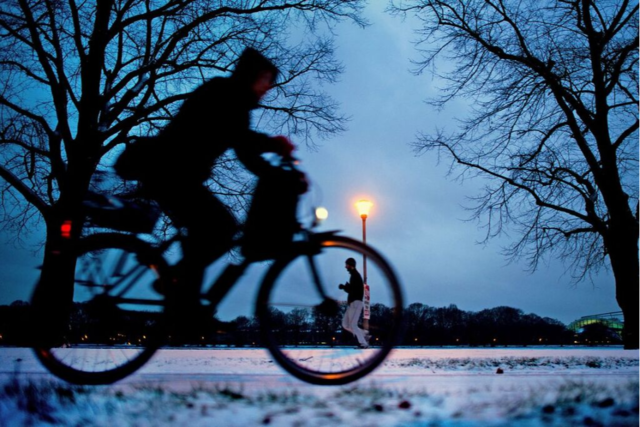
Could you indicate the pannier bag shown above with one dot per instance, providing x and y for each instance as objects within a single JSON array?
[
  {"x": 271, "y": 221},
  {"x": 136, "y": 216}
]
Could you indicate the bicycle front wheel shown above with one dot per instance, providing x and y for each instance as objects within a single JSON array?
[
  {"x": 114, "y": 323},
  {"x": 302, "y": 312}
]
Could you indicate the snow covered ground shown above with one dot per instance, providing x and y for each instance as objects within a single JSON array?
[{"x": 415, "y": 387}]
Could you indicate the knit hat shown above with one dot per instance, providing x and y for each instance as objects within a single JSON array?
[
  {"x": 351, "y": 262},
  {"x": 251, "y": 64}
]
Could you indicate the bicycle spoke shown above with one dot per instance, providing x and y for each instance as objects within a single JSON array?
[{"x": 112, "y": 309}]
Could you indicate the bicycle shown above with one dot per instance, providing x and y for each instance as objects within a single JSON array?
[{"x": 119, "y": 318}]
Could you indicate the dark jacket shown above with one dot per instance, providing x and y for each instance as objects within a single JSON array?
[
  {"x": 214, "y": 118},
  {"x": 355, "y": 287}
]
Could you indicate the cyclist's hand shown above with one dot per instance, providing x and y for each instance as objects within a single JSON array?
[
  {"x": 341, "y": 286},
  {"x": 284, "y": 146}
]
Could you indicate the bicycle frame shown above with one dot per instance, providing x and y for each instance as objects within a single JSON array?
[
  {"x": 230, "y": 275},
  {"x": 222, "y": 285},
  {"x": 225, "y": 282}
]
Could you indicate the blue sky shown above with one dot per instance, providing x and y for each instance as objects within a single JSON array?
[{"x": 418, "y": 216}]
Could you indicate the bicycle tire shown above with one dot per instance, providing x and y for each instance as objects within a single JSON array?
[
  {"x": 315, "y": 350},
  {"x": 115, "y": 323}
]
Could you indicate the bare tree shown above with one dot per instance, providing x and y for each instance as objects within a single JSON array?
[
  {"x": 81, "y": 78},
  {"x": 553, "y": 86}
]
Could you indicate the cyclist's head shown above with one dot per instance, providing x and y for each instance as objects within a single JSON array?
[
  {"x": 350, "y": 262},
  {"x": 253, "y": 66}
]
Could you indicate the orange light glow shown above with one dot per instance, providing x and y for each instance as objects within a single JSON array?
[{"x": 364, "y": 206}]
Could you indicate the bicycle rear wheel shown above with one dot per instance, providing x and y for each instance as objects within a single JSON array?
[
  {"x": 115, "y": 322},
  {"x": 303, "y": 330}
]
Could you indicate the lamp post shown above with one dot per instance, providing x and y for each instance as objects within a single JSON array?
[{"x": 364, "y": 206}]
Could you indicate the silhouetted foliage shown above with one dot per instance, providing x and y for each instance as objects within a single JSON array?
[
  {"x": 433, "y": 326},
  {"x": 93, "y": 324}
]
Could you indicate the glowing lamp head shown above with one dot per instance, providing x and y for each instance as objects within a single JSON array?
[
  {"x": 322, "y": 214},
  {"x": 364, "y": 206}
]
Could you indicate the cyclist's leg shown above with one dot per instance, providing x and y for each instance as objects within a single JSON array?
[{"x": 210, "y": 230}]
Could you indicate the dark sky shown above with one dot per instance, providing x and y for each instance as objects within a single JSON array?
[{"x": 418, "y": 214}]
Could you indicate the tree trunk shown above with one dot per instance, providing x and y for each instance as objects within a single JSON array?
[
  {"x": 623, "y": 254},
  {"x": 52, "y": 300},
  {"x": 53, "y": 296}
]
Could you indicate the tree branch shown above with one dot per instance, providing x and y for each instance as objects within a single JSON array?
[
  {"x": 30, "y": 196},
  {"x": 538, "y": 200}
]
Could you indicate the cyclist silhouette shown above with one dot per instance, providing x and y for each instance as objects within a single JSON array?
[{"x": 174, "y": 165}]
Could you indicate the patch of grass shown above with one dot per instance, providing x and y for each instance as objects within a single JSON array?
[
  {"x": 38, "y": 400},
  {"x": 231, "y": 394},
  {"x": 573, "y": 402},
  {"x": 518, "y": 363},
  {"x": 580, "y": 403},
  {"x": 283, "y": 398}
]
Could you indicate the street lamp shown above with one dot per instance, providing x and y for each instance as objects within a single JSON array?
[{"x": 364, "y": 206}]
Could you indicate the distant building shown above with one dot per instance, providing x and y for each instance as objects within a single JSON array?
[{"x": 611, "y": 320}]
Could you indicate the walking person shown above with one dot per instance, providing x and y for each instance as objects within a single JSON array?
[{"x": 355, "y": 290}]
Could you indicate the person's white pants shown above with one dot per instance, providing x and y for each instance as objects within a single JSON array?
[{"x": 350, "y": 321}]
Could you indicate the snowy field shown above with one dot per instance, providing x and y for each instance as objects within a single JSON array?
[{"x": 415, "y": 387}]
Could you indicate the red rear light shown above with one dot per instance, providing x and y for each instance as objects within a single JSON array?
[{"x": 65, "y": 229}]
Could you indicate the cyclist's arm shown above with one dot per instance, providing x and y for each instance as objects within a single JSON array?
[{"x": 249, "y": 147}]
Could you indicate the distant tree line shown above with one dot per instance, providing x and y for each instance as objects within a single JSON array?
[
  {"x": 499, "y": 326},
  {"x": 424, "y": 326}
]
